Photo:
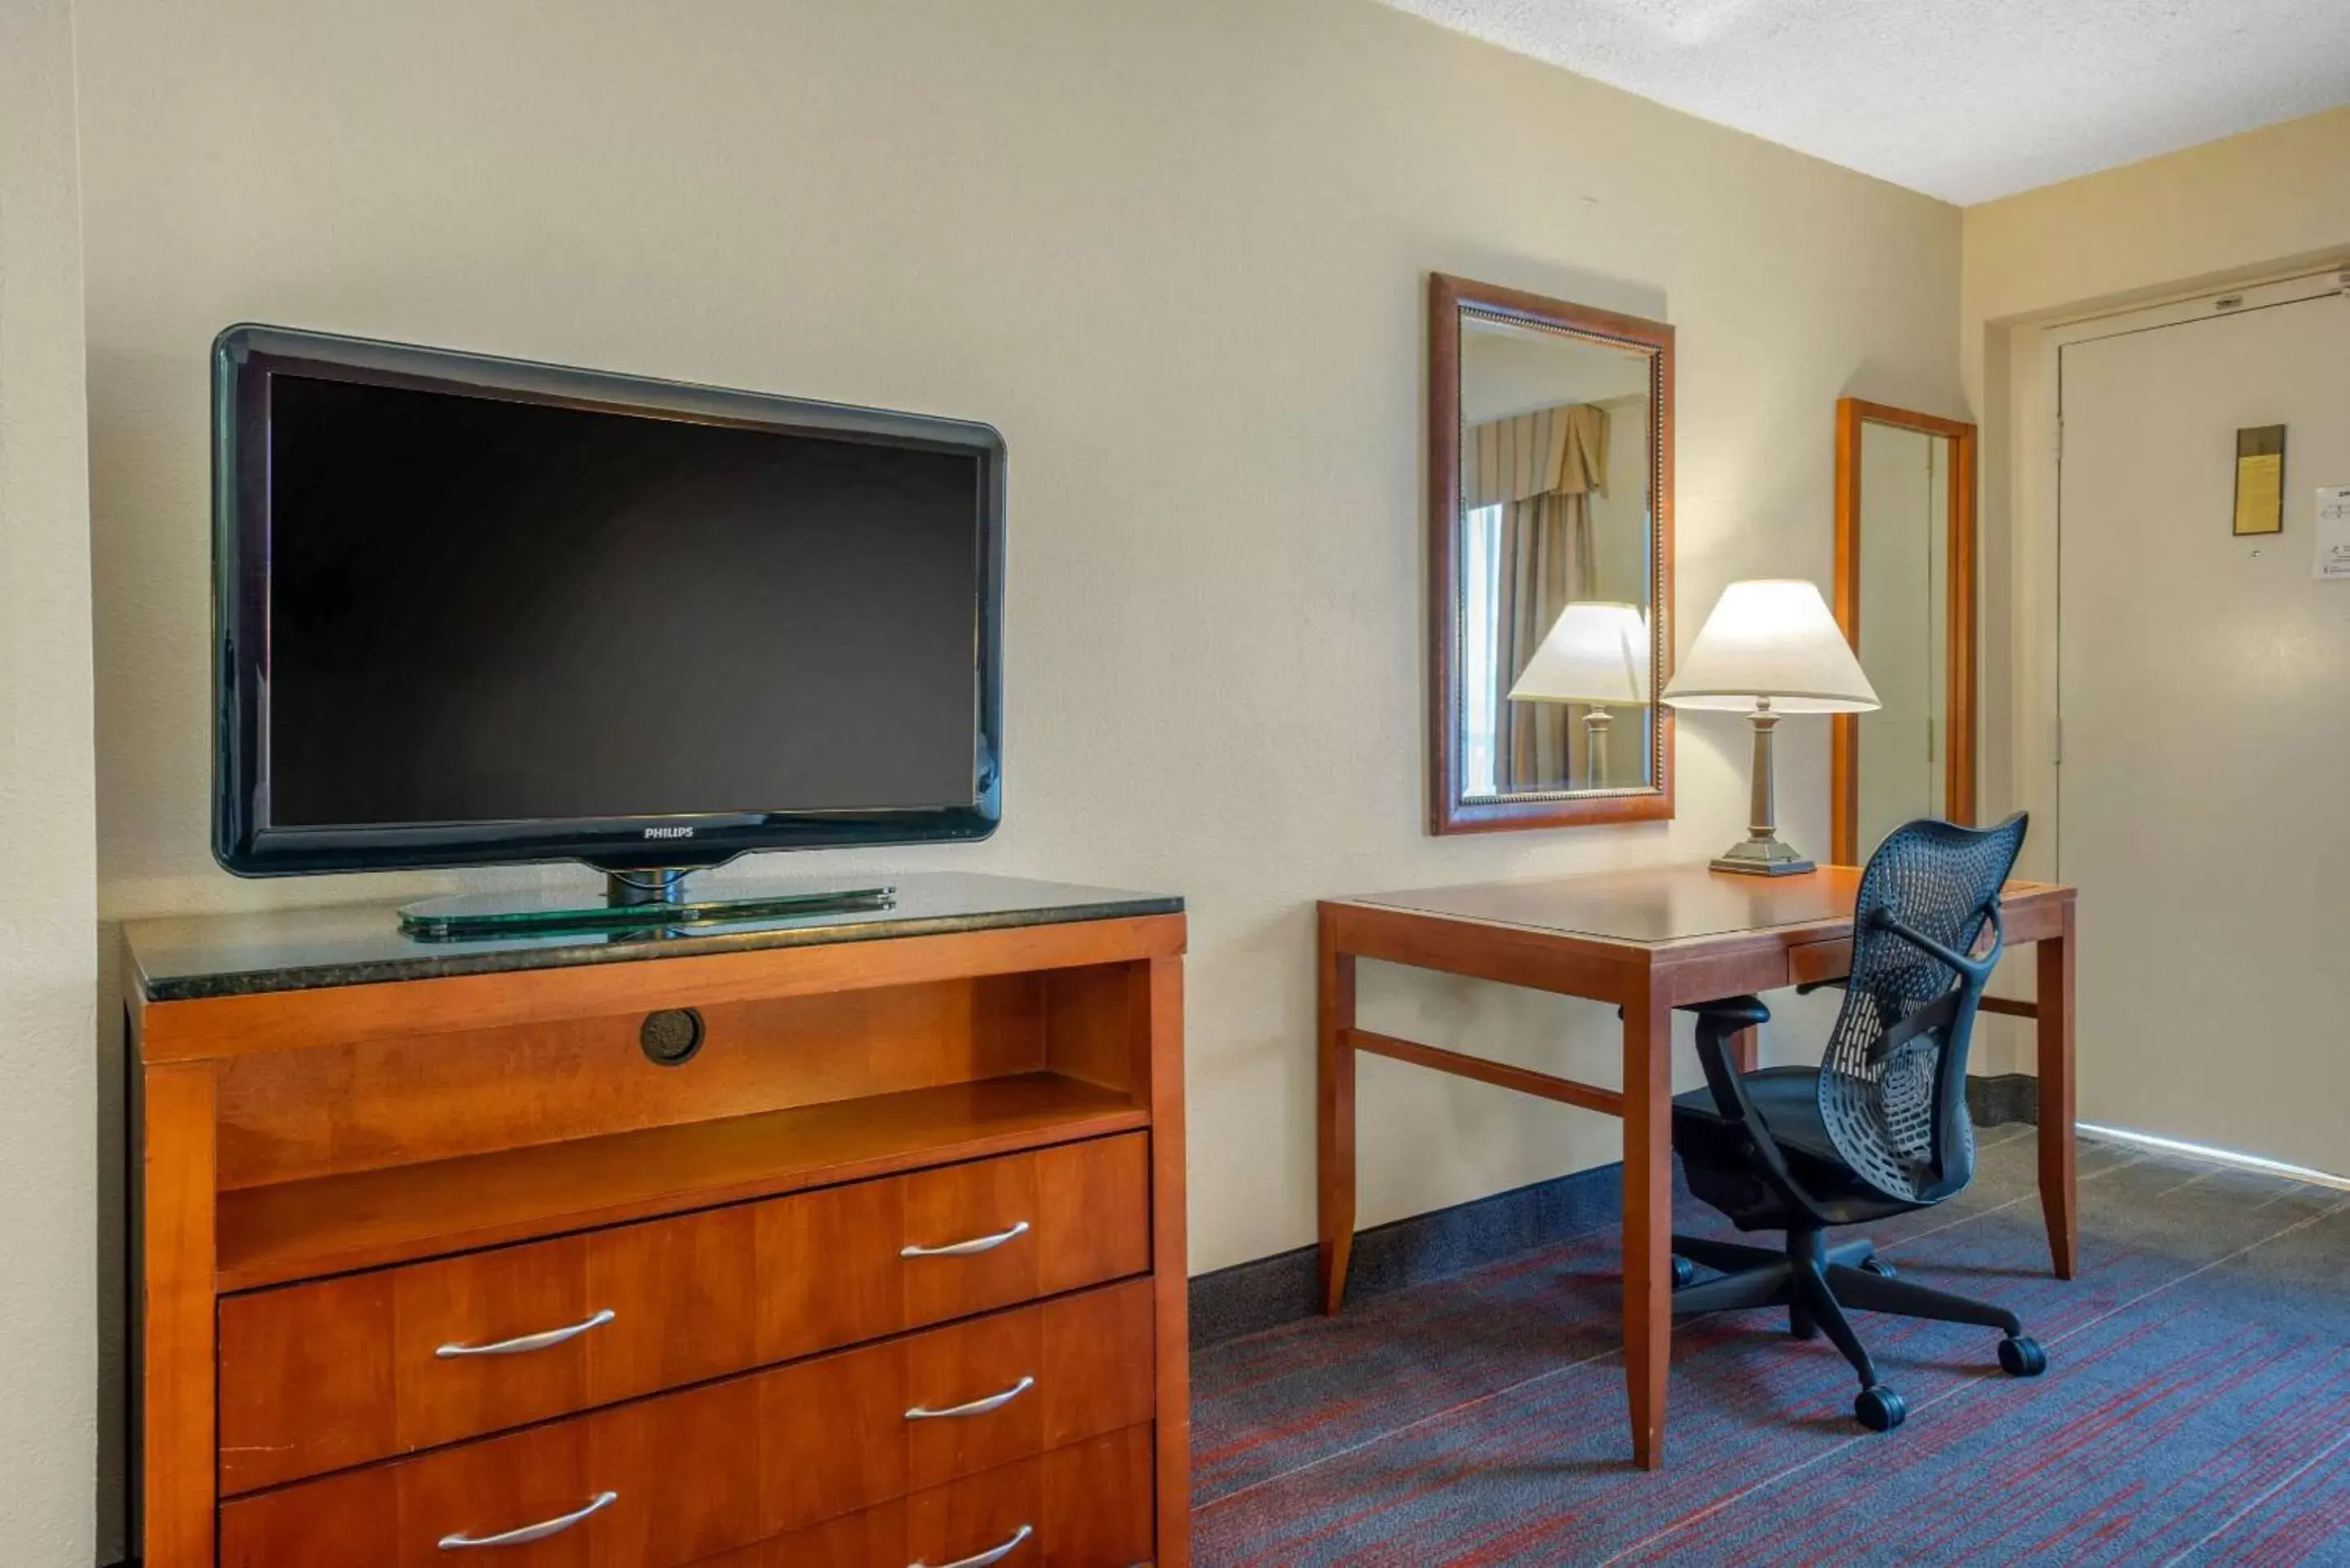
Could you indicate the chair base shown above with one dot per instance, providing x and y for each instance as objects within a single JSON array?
[{"x": 1816, "y": 1283}]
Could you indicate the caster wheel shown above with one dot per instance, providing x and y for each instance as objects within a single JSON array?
[
  {"x": 1880, "y": 1408},
  {"x": 1879, "y": 1267},
  {"x": 2022, "y": 1358},
  {"x": 1684, "y": 1273}
]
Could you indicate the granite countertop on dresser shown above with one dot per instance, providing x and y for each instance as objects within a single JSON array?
[{"x": 186, "y": 958}]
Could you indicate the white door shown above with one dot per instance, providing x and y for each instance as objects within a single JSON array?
[{"x": 2204, "y": 688}]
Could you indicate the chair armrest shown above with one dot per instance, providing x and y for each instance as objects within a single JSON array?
[{"x": 1716, "y": 1023}]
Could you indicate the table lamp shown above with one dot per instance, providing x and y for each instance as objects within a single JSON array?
[
  {"x": 1769, "y": 647},
  {"x": 1596, "y": 652}
]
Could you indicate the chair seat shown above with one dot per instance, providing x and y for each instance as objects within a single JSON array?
[{"x": 1788, "y": 1100}]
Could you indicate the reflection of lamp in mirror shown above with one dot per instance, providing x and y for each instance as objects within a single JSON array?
[
  {"x": 1770, "y": 648},
  {"x": 1597, "y": 653}
]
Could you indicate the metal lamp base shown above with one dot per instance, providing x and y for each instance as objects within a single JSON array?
[
  {"x": 1762, "y": 858},
  {"x": 1762, "y": 855}
]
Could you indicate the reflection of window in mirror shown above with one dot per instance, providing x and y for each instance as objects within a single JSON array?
[{"x": 1482, "y": 680}]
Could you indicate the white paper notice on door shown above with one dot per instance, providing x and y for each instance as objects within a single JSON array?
[{"x": 2333, "y": 532}]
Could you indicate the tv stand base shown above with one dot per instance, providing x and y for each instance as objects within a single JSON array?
[{"x": 654, "y": 898}]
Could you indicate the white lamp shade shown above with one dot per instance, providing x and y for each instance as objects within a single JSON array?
[
  {"x": 1771, "y": 636},
  {"x": 1595, "y": 652}
]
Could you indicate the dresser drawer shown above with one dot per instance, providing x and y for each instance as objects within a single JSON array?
[
  {"x": 339, "y": 1372},
  {"x": 1085, "y": 1506},
  {"x": 757, "y": 1461}
]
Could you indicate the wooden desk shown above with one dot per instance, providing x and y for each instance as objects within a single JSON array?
[{"x": 1648, "y": 941}]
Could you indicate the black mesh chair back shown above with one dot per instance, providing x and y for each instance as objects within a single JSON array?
[{"x": 1893, "y": 1086}]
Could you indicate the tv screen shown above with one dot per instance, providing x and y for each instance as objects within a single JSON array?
[{"x": 475, "y": 611}]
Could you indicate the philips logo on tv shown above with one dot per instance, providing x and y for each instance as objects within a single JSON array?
[{"x": 668, "y": 833}]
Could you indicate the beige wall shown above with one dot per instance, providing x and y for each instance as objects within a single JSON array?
[
  {"x": 2204, "y": 214},
  {"x": 1177, "y": 252},
  {"x": 49, "y": 1146},
  {"x": 2260, "y": 204}
]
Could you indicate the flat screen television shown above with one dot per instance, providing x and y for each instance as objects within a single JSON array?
[{"x": 472, "y": 610}]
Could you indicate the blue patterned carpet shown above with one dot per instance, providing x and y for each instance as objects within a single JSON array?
[{"x": 2196, "y": 1409}]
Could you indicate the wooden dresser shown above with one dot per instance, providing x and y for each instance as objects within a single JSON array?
[{"x": 855, "y": 1245}]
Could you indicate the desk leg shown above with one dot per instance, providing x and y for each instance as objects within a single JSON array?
[
  {"x": 2057, "y": 1191},
  {"x": 1335, "y": 1115},
  {"x": 1647, "y": 1220}
]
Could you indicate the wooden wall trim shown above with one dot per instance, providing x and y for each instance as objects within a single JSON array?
[
  {"x": 1843, "y": 729},
  {"x": 1961, "y": 679}
]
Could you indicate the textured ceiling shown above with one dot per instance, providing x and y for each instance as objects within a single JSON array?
[{"x": 1964, "y": 99}]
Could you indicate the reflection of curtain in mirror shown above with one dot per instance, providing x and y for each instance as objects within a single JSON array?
[{"x": 1542, "y": 469}]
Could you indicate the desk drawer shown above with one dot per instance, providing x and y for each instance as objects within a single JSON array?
[
  {"x": 736, "y": 1465},
  {"x": 1809, "y": 962},
  {"x": 339, "y": 1372}
]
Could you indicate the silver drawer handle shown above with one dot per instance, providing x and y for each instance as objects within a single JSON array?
[
  {"x": 965, "y": 1248},
  {"x": 528, "y": 1342},
  {"x": 976, "y": 1407},
  {"x": 992, "y": 1554},
  {"x": 530, "y": 1532}
]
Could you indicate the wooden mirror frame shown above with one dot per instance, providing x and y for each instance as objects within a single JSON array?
[
  {"x": 1959, "y": 655},
  {"x": 1448, "y": 812}
]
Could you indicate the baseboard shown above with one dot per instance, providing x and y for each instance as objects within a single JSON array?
[
  {"x": 1269, "y": 1292},
  {"x": 2003, "y": 1098}
]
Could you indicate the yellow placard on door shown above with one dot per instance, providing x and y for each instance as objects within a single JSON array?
[{"x": 2260, "y": 480}]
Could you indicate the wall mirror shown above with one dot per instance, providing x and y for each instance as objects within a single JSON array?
[
  {"x": 1905, "y": 593},
  {"x": 1551, "y": 491}
]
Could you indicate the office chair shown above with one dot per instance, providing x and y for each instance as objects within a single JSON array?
[{"x": 1879, "y": 1128}]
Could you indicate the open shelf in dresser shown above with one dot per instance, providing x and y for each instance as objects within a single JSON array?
[{"x": 330, "y": 1224}]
